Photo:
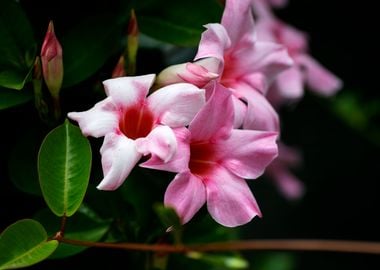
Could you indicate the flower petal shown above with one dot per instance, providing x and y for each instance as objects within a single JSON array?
[
  {"x": 175, "y": 105},
  {"x": 186, "y": 194},
  {"x": 318, "y": 78},
  {"x": 262, "y": 63},
  {"x": 214, "y": 42},
  {"x": 289, "y": 84},
  {"x": 119, "y": 156},
  {"x": 215, "y": 119},
  {"x": 179, "y": 162},
  {"x": 99, "y": 120},
  {"x": 248, "y": 152},
  {"x": 260, "y": 113},
  {"x": 240, "y": 109},
  {"x": 238, "y": 20},
  {"x": 290, "y": 186},
  {"x": 229, "y": 199},
  {"x": 126, "y": 91},
  {"x": 160, "y": 142}
]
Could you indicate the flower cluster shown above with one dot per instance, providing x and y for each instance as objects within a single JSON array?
[{"x": 211, "y": 120}]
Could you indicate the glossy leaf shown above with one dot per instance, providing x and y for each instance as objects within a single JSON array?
[
  {"x": 180, "y": 22},
  {"x": 88, "y": 46},
  {"x": 84, "y": 225},
  {"x": 10, "y": 98},
  {"x": 17, "y": 45},
  {"x": 64, "y": 163},
  {"x": 24, "y": 243}
]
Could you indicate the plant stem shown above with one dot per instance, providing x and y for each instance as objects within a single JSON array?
[{"x": 284, "y": 245}]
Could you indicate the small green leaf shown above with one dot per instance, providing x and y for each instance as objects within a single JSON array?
[
  {"x": 170, "y": 219},
  {"x": 232, "y": 261},
  {"x": 64, "y": 164},
  {"x": 24, "y": 243},
  {"x": 85, "y": 225},
  {"x": 180, "y": 22},
  {"x": 17, "y": 45},
  {"x": 87, "y": 47},
  {"x": 10, "y": 98}
]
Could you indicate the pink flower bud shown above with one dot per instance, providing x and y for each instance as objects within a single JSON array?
[
  {"x": 52, "y": 64},
  {"x": 133, "y": 29},
  {"x": 119, "y": 70}
]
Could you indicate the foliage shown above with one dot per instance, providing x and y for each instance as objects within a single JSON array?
[{"x": 49, "y": 162}]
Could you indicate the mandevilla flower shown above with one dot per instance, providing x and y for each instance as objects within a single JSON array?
[
  {"x": 212, "y": 161},
  {"x": 306, "y": 70},
  {"x": 134, "y": 125},
  {"x": 52, "y": 63},
  {"x": 279, "y": 171},
  {"x": 244, "y": 65}
]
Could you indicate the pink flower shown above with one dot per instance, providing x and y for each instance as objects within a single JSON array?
[
  {"x": 306, "y": 70},
  {"x": 279, "y": 171},
  {"x": 244, "y": 65},
  {"x": 134, "y": 125},
  {"x": 212, "y": 161}
]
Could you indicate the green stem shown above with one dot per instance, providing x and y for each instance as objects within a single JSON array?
[{"x": 344, "y": 246}]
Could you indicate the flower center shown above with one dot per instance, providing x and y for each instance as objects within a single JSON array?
[
  {"x": 136, "y": 122},
  {"x": 202, "y": 157}
]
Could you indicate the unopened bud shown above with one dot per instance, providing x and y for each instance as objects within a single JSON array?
[
  {"x": 119, "y": 70},
  {"x": 132, "y": 43},
  {"x": 51, "y": 59}
]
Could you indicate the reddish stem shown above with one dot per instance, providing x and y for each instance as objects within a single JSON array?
[{"x": 284, "y": 245}]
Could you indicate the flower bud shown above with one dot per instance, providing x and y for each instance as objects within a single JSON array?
[
  {"x": 51, "y": 59},
  {"x": 194, "y": 73},
  {"x": 132, "y": 43},
  {"x": 119, "y": 70}
]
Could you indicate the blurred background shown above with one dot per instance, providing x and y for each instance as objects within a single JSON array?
[{"x": 339, "y": 138}]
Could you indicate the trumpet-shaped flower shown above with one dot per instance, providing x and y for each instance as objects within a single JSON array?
[
  {"x": 243, "y": 65},
  {"x": 212, "y": 161},
  {"x": 307, "y": 71},
  {"x": 134, "y": 125}
]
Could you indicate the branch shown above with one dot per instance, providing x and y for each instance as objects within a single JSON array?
[{"x": 283, "y": 245}]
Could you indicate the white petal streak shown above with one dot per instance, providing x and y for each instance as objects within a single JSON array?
[
  {"x": 119, "y": 156},
  {"x": 99, "y": 120},
  {"x": 127, "y": 91}
]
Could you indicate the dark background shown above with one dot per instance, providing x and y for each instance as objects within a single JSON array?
[{"x": 340, "y": 164}]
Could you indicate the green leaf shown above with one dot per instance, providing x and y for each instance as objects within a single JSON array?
[
  {"x": 170, "y": 220},
  {"x": 24, "y": 243},
  {"x": 180, "y": 22},
  {"x": 64, "y": 164},
  {"x": 88, "y": 46},
  {"x": 17, "y": 45},
  {"x": 275, "y": 261},
  {"x": 84, "y": 225},
  {"x": 22, "y": 163},
  {"x": 232, "y": 261},
  {"x": 10, "y": 98}
]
